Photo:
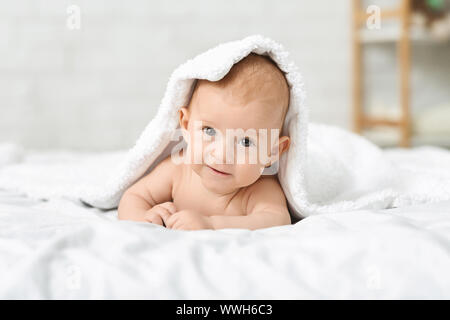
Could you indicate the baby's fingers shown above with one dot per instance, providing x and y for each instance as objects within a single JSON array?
[
  {"x": 164, "y": 214},
  {"x": 178, "y": 225},
  {"x": 157, "y": 214},
  {"x": 153, "y": 217},
  {"x": 170, "y": 221},
  {"x": 158, "y": 220},
  {"x": 169, "y": 206}
]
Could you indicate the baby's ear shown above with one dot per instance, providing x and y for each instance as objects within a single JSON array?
[
  {"x": 279, "y": 148},
  {"x": 183, "y": 115}
]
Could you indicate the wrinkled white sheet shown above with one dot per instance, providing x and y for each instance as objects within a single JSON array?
[{"x": 60, "y": 249}]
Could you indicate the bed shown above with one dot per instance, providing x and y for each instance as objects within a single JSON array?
[{"x": 59, "y": 248}]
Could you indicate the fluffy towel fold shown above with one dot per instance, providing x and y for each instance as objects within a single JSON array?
[{"x": 326, "y": 169}]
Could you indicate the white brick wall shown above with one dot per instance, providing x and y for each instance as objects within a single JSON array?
[{"x": 97, "y": 87}]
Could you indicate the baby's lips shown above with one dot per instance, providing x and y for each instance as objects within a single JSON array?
[{"x": 219, "y": 169}]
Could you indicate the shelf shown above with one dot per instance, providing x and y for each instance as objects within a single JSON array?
[
  {"x": 429, "y": 125},
  {"x": 402, "y": 27},
  {"x": 397, "y": 32},
  {"x": 392, "y": 35},
  {"x": 389, "y": 137}
]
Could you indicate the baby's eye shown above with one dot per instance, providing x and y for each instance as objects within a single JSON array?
[
  {"x": 246, "y": 142},
  {"x": 209, "y": 131}
]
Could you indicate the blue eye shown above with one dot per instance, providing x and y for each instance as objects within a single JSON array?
[
  {"x": 246, "y": 142},
  {"x": 209, "y": 131}
]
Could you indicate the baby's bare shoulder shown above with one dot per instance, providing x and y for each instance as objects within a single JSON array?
[
  {"x": 265, "y": 194},
  {"x": 156, "y": 187},
  {"x": 164, "y": 172},
  {"x": 168, "y": 167}
]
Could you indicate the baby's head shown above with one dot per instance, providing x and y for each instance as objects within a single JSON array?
[{"x": 234, "y": 125}]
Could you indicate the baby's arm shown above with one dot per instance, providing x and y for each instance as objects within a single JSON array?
[
  {"x": 151, "y": 190},
  {"x": 266, "y": 207}
]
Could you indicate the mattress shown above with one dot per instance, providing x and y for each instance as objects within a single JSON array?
[{"x": 61, "y": 249}]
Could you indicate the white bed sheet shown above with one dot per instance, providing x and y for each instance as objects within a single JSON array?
[{"x": 60, "y": 249}]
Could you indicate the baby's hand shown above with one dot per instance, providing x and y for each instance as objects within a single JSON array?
[
  {"x": 161, "y": 212},
  {"x": 188, "y": 220}
]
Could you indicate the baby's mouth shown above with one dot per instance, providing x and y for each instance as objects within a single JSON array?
[{"x": 219, "y": 172}]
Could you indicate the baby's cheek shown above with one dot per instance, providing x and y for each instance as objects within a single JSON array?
[
  {"x": 196, "y": 148},
  {"x": 249, "y": 156},
  {"x": 247, "y": 174},
  {"x": 265, "y": 151}
]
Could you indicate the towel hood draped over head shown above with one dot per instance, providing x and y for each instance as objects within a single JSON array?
[
  {"x": 337, "y": 170},
  {"x": 155, "y": 142}
]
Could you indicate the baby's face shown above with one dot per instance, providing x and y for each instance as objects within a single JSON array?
[{"x": 232, "y": 131}]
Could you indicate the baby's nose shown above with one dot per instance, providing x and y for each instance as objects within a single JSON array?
[{"x": 223, "y": 151}]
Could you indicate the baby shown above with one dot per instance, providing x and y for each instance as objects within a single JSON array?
[{"x": 217, "y": 192}]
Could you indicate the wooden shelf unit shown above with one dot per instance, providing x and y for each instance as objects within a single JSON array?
[{"x": 361, "y": 120}]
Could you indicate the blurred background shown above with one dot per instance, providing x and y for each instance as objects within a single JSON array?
[{"x": 89, "y": 75}]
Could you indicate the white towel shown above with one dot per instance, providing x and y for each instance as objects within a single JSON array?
[{"x": 326, "y": 169}]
